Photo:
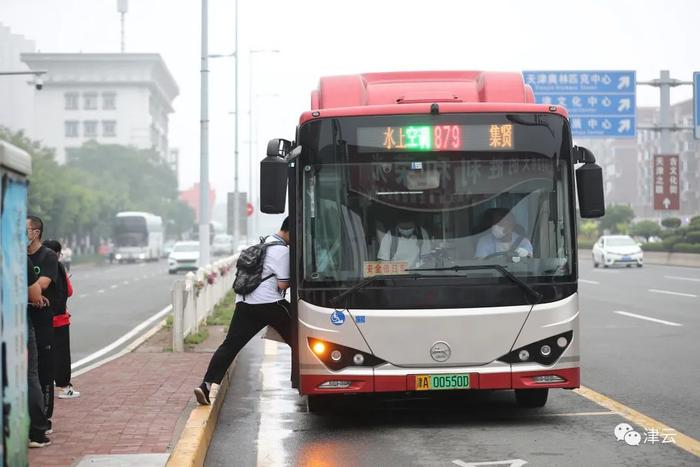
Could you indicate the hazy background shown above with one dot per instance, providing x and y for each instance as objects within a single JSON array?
[{"x": 319, "y": 38}]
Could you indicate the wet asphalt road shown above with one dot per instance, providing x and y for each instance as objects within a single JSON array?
[{"x": 639, "y": 346}]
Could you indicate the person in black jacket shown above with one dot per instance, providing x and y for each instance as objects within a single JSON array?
[
  {"x": 46, "y": 267},
  {"x": 38, "y": 424}
]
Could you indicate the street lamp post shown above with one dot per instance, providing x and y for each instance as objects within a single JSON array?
[
  {"x": 250, "y": 123},
  {"x": 204, "y": 146}
]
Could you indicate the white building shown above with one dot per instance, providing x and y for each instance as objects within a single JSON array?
[
  {"x": 112, "y": 98},
  {"x": 16, "y": 92}
]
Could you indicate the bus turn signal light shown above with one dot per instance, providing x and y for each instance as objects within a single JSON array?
[
  {"x": 336, "y": 357},
  {"x": 319, "y": 348}
]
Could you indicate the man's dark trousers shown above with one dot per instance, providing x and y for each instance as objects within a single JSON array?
[{"x": 248, "y": 319}]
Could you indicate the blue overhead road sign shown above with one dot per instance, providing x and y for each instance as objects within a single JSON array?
[
  {"x": 600, "y": 103},
  {"x": 696, "y": 104}
]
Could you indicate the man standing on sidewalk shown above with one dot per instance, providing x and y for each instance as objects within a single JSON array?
[
  {"x": 46, "y": 267},
  {"x": 264, "y": 306}
]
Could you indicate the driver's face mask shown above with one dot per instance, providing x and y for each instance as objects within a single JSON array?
[{"x": 406, "y": 233}]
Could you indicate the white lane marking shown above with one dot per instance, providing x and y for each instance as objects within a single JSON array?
[
  {"x": 668, "y": 292},
  {"x": 82, "y": 295},
  {"x": 125, "y": 283},
  {"x": 101, "y": 291},
  {"x": 585, "y": 281},
  {"x": 104, "y": 350},
  {"x": 113, "y": 286},
  {"x": 655, "y": 320},
  {"x": 510, "y": 462},
  {"x": 679, "y": 278}
]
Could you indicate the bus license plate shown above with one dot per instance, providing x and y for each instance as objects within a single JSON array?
[{"x": 442, "y": 382}]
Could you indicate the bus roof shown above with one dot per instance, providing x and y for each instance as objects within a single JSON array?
[{"x": 415, "y": 92}]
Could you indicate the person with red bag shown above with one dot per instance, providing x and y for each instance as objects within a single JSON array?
[{"x": 61, "y": 327}]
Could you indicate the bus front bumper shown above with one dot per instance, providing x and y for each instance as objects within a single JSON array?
[{"x": 563, "y": 378}]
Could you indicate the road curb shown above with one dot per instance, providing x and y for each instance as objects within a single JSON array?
[{"x": 191, "y": 449}]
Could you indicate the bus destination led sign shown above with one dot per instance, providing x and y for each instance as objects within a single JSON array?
[{"x": 436, "y": 138}]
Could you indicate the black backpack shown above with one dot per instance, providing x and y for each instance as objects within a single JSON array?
[{"x": 249, "y": 267}]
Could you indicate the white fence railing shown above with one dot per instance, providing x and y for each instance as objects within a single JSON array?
[{"x": 195, "y": 296}]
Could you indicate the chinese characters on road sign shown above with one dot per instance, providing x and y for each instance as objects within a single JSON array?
[
  {"x": 666, "y": 175},
  {"x": 600, "y": 103}
]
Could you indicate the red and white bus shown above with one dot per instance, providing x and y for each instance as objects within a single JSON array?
[{"x": 446, "y": 156}]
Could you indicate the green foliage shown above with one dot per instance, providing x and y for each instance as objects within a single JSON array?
[
  {"x": 695, "y": 221},
  {"x": 616, "y": 218},
  {"x": 82, "y": 197},
  {"x": 223, "y": 312},
  {"x": 645, "y": 229},
  {"x": 671, "y": 222},
  {"x": 588, "y": 230},
  {"x": 687, "y": 247},
  {"x": 693, "y": 236},
  {"x": 197, "y": 337},
  {"x": 658, "y": 246},
  {"x": 668, "y": 242}
]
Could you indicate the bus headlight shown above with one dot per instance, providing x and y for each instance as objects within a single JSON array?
[
  {"x": 336, "y": 357},
  {"x": 545, "y": 352}
]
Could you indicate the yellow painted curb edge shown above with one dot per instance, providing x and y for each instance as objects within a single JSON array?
[
  {"x": 191, "y": 449},
  {"x": 683, "y": 441}
]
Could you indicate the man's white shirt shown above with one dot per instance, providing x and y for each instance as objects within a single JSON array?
[{"x": 276, "y": 262}]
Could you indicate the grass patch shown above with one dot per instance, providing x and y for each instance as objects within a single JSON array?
[
  {"x": 198, "y": 337},
  {"x": 223, "y": 311},
  {"x": 169, "y": 321}
]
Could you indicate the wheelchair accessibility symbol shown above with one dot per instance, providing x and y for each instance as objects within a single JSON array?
[{"x": 338, "y": 317}]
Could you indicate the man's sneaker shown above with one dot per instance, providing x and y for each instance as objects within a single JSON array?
[
  {"x": 49, "y": 431},
  {"x": 68, "y": 393},
  {"x": 40, "y": 442},
  {"x": 202, "y": 394}
]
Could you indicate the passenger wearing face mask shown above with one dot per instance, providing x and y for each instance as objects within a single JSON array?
[
  {"x": 502, "y": 237},
  {"x": 405, "y": 242}
]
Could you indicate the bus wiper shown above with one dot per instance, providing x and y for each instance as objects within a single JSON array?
[
  {"x": 529, "y": 290},
  {"x": 365, "y": 282}
]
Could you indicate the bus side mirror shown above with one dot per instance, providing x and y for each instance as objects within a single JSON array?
[
  {"x": 589, "y": 184},
  {"x": 273, "y": 177}
]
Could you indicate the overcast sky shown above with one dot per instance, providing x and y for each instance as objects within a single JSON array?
[{"x": 317, "y": 38}]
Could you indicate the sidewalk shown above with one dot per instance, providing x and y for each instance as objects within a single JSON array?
[{"x": 136, "y": 404}]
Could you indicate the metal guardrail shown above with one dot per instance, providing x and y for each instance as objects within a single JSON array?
[{"x": 195, "y": 297}]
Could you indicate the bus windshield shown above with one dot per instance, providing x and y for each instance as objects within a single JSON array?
[
  {"x": 130, "y": 232},
  {"x": 406, "y": 194}
]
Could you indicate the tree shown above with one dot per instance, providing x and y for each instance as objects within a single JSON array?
[
  {"x": 82, "y": 197},
  {"x": 589, "y": 229},
  {"x": 645, "y": 229},
  {"x": 671, "y": 222},
  {"x": 616, "y": 218}
]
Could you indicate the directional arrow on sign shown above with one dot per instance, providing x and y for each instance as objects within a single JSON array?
[
  {"x": 625, "y": 104},
  {"x": 624, "y": 126},
  {"x": 666, "y": 202},
  {"x": 623, "y": 82},
  {"x": 510, "y": 462}
]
